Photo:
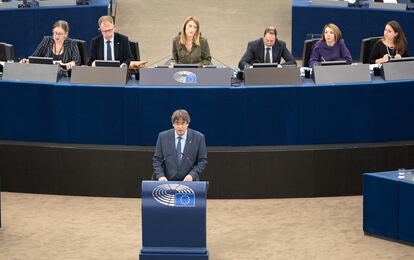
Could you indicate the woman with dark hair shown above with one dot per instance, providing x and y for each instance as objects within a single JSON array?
[
  {"x": 331, "y": 47},
  {"x": 59, "y": 46},
  {"x": 393, "y": 44},
  {"x": 189, "y": 47}
]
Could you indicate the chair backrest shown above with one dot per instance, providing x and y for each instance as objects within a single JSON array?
[
  {"x": 135, "y": 50},
  {"x": 6, "y": 51},
  {"x": 134, "y": 45},
  {"x": 366, "y": 46},
  {"x": 307, "y": 50},
  {"x": 83, "y": 51}
]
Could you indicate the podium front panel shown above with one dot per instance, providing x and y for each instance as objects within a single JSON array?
[
  {"x": 99, "y": 75},
  {"x": 341, "y": 74},
  {"x": 174, "y": 218},
  {"x": 387, "y": 205},
  {"x": 272, "y": 76},
  {"x": 31, "y": 72},
  {"x": 398, "y": 70},
  {"x": 391, "y": 6},
  {"x": 185, "y": 76}
]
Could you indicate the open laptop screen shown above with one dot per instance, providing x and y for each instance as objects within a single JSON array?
[
  {"x": 186, "y": 65},
  {"x": 333, "y": 62},
  {"x": 107, "y": 63},
  {"x": 264, "y": 65},
  {"x": 402, "y": 59},
  {"x": 40, "y": 60}
]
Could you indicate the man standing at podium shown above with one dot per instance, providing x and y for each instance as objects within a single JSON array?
[{"x": 180, "y": 153}]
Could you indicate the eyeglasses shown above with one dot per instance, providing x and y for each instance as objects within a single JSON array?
[
  {"x": 106, "y": 31},
  {"x": 180, "y": 123},
  {"x": 58, "y": 33}
]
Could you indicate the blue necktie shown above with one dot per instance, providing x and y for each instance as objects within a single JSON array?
[
  {"x": 178, "y": 150},
  {"x": 267, "y": 58},
  {"x": 108, "y": 50}
]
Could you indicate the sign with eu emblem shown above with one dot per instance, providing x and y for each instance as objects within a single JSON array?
[
  {"x": 174, "y": 195},
  {"x": 184, "y": 200}
]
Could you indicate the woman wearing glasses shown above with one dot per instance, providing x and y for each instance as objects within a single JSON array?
[
  {"x": 392, "y": 45},
  {"x": 59, "y": 46}
]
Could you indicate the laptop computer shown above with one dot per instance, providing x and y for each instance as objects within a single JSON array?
[
  {"x": 107, "y": 63},
  {"x": 41, "y": 60}
]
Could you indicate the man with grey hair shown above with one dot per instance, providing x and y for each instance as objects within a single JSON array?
[{"x": 180, "y": 153}]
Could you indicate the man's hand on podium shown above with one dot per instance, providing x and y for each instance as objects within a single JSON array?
[{"x": 187, "y": 178}]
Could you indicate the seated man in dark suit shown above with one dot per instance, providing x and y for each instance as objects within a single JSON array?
[
  {"x": 267, "y": 49},
  {"x": 110, "y": 45},
  {"x": 180, "y": 153}
]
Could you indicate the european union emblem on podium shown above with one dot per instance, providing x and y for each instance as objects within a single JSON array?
[
  {"x": 184, "y": 200},
  {"x": 174, "y": 221}
]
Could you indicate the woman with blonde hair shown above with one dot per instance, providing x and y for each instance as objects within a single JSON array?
[
  {"x": 189, "y": 47},
  {"x": 331, "y": 47}
]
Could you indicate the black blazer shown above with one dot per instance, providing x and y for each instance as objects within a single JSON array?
[
  {"x": 70, "y": 50},
  {"x": 255, "y": 53},
  {"x": 121, "y": 49}
]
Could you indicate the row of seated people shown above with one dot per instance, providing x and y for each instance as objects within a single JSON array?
[
  {"x": 330, "y": 47},
  {"x": 189, "y": 47},
  {"x": 110, "y": 45},
  {"x": 374, "y": 50}
]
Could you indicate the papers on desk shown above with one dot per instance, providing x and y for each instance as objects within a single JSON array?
[
  {"x": 303, "y": 71},
  {"x": 373, "y": 66},
  {"x": 390, "y": 1}
]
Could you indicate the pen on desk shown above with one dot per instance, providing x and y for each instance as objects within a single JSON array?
[{"x": 323, "y": 58}]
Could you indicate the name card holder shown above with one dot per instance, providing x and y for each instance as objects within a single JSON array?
[
  {"x": 392, "y": 6},
  {"x": 32, "y": 72},
  {"x": 341, "y": 74},
  {"x": 398, "y": 70},
  {"x": 272, "y": 76},
  {"x": 98, "y": 75},
  {"x": 329, "y": 3}
]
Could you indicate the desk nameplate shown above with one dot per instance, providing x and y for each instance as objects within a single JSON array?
[{"x": 272, "y": 76}]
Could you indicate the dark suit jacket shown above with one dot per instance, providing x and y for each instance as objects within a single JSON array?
[
  {"x": 70, "y": 50},
  {"x": 255, "y": 53},
  {"x": 194, "y": 159},
  {"x": 121, "y": 49}
]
